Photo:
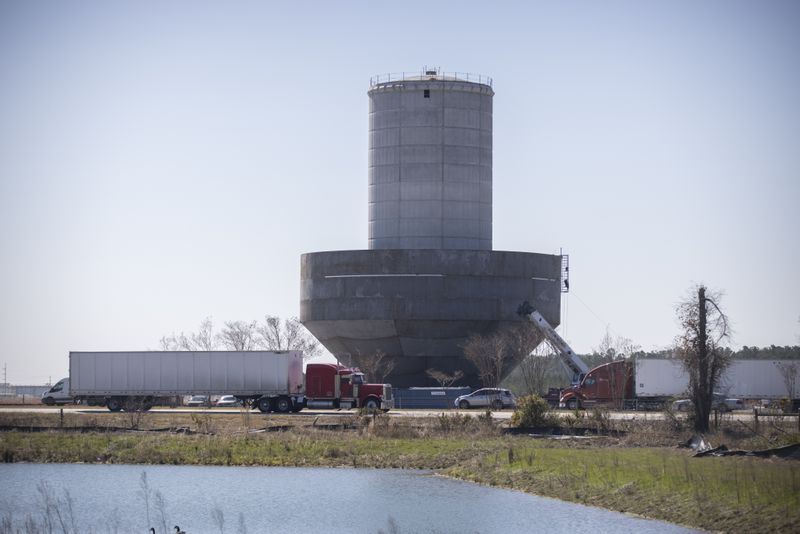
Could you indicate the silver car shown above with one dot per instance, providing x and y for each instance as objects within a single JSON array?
[
  {"x": 494, "y": 398},
  {"x": 198, "y": 400},
  {"x": 228, "y": 400},
  {"x": 719, "y": 403}
]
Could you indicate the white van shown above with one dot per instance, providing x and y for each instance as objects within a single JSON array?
[{"x": 58, "y": 394}]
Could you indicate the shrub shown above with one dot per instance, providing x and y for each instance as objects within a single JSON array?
[
  {"x": 532, "y": 411},
  {"x": 455, "y": 423}
]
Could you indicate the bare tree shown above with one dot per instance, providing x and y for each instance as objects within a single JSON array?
[
  {"x": 489, "y": 355},
  {"x": 288, "y": 334},
  {"x": 789, "y": 371},
  {"x": 203, "y": 339},
  {"x": 169, "y": 342},
  {"x": 704, "y": 327},
  {"x": 376, "y": 366},
  {"x": 520, "y": 342},
  {"x": 535, "y": 367},
  {"x": 273, "y": 334},
  {"x": 613, "y": 347},
  {"x": 238, "y": 335},
  {"x": 442, "y": 378}
]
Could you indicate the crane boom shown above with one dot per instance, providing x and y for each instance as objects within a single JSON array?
[{"x": 571, "y": 362}]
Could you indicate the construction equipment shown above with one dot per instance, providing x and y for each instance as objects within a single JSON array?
[{"x": 574, "y": 366}]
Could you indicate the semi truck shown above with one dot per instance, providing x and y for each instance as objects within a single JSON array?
[
  {"x": 650, "y": 383},
  {"x": 268, "y": 380}
]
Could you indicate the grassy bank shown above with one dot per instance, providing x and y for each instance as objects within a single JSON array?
[
  {"x": 732, "y": 494},
  {"x": 641, "y": 472}
]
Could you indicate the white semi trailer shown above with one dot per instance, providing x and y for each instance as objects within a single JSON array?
[
  {"x": 659, "y": 379},
  {"x": 652, "y": 382},
  {"x": 746, "y": 379},
  {"x": 270, "y": 381},
  {"x": 762, "y": 379},
  {"x": 139, "y": 380}
]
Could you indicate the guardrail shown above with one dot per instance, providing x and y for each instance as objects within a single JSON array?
[{"x": 426, "y": 75}]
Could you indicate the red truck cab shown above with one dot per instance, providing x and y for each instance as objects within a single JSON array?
[
  {"x": 608, "y": 384},
  {"x": 330, "y": 385}
]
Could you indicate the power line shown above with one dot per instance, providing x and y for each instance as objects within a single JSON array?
[{"x": 603, "y": 321}]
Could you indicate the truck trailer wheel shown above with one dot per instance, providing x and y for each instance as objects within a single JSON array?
[
  {"x": 263, "y": 404},
  {"x": 114, "y": 404},
  {"x": 284, "y": 405}
]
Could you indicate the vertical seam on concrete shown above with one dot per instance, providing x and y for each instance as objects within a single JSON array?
[
  {"x": 397, "y": 232},
  {"x": 480, "y": 167},
  {"x": 441, "y": 175}
]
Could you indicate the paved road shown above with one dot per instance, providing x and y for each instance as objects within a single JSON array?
[
  {"x": 498, "y": 415},
  {"x": 97, "y": 410}
]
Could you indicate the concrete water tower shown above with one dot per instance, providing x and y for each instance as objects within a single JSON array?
[{"x": 430, "y": 277}]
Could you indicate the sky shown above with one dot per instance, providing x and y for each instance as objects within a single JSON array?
[{"x": 163, "y": 162}]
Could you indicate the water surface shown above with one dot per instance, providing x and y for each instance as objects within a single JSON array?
[{"x": 110, "y": 498}]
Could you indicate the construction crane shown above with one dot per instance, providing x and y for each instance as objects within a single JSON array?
[{"x": 574, "y": 366}]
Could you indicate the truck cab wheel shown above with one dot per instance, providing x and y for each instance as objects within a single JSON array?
[
  {"x": 372, "y": 404},
  {"x": 572, "y": 404},
  {"x": 49, "y": 401}
]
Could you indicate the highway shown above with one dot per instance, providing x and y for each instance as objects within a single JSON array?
[{"x": 497, "y": 415}]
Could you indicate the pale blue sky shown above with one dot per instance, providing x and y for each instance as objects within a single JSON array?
[{"x": 161, "y": 162}]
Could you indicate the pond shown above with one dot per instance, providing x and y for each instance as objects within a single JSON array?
[{"x": 200, "y": 499}]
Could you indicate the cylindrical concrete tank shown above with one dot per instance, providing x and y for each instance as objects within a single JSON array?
[{"x": 430, "y": 162}]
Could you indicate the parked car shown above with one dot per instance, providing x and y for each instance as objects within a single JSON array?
[
  {"x": 719, "y": 403},
  {"x": 198, "y": 400},
  {"x": 228, "y": 401},
  {"x": 487, "y": 398}
]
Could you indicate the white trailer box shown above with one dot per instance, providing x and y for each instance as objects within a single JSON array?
[
  {"x": 166, "y": 373},
  {"x": 746, "y": 379},
  {"x": 756, "y": 379},
  {"x": 660, "y": 378}
]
